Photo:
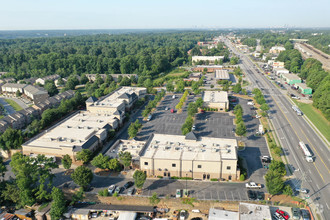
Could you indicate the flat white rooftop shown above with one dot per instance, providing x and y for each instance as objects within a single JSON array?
[
  {"x": 74, "y": 131},
  {"x": 302, "y": 85},
  {"x": 213, "y": 58},
  {"x": 112, "y": 100},
  {"x": 221, "y": 74},
  {"x": 291, "y": 76},
  {"x": 175, "y": 147},
  {"x": 134, "y": 147},
  {"x": 249, "y": 211},
  {"x": 215, "y": 96},
  {"x": 218, "y": 214}
]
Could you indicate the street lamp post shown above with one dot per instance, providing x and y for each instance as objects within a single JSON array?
[{"x": 186, "y": 184}]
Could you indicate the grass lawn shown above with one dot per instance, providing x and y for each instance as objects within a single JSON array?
[
  {"x": 81, "y": 89},
  {"x": 13, "y": 104},
  {"x": 316, "y": 117}
]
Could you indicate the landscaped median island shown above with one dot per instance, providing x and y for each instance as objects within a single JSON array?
[{"x": 13, "y": 104}]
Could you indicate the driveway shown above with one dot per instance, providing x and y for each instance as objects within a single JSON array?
[{"x": 8, "y": 108}]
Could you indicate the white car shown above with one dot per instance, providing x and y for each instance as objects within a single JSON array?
[
  {"x": 250, "y": 103},
  {"x": 193, "y": 128},
  {"x": 258, "y": 116},
  {"x": 112, "y": 189}
]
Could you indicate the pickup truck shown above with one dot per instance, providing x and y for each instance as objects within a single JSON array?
[{"x": 253, "y": 185}]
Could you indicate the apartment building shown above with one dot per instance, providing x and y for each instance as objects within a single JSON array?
[{"x": 202, "y": 158}]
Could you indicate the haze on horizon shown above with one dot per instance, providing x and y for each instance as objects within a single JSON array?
[{"x": 148, "y": 14}]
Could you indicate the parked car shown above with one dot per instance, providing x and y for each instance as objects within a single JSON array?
[
  {"x": 149, "y": 118},
  {"x": 305, "y": 214},
  {"x": 166, "y": 108},
  {"x": 183, "y": 214},
  {"x": 128, "y": 184},
  {"x": 178, "y": 193},
  {"x": 252, "y": 195},
  {"x": 260, "y": 195},
  {"x": 295, "y": 213},
  {"x": 112, "y": 189},
  {"x": 265, "y": 159},
  {"x": 302, "y": 190},
  {"x": 172, "y": 110},
  {"x": 94, "y": 215},
  {"x": 131, "y": 191},
  {"x": 283, "y": 214},
  {"x": 173, "y": 97},
  {"x": 193, "y": 128},
  {"x": 118, "y": 190}
]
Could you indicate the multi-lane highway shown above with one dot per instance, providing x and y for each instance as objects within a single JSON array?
[{"x": 290, "y": 129}]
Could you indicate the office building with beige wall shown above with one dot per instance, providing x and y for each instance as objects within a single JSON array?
[
  {"x": 83, "y": 130},
  {"x": 210, "y": 59},
  {"x": 202, "y": 158},
  {"x": 216, "y": 99}
]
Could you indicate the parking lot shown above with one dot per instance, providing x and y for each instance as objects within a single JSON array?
[
  {"x": 215, "y": 124},
  {"x": 163, "y": 121}
]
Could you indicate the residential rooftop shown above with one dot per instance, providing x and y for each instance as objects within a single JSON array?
[{"x": 163, "y": 146}]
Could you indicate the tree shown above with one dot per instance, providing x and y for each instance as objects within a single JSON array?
[
  {"x": 154, "y": 200},
  {"x": 234, "y": 60},
  {"x": 66, "y": 161},
  {"x": 11, "y": 139},
  {"x": 11, "y": 193},
  {"x": 139, "y": 178},
  {"x": 264, "y": 107},
  {"x": 83, "y": 79},
  {"x": 3, "y": 168},
  {"x": 82, "y": 176},
  {"x": 277, "y": 166},
  {"x": 274, "y": 182},
  {"x": 72, "y": 82},
  {"x": 180, "y": 86},
  {"x": 169, "y": 86},
  {"x": 58, "y": 205},
  {"x": 51, "y": 88},
  {"x": 240, "y": 129},
  {"x": 84, "y": 155},
  {"x": 78, "y": 196},
  {"x": 287, "y": 190},
  {"x": 18, "y": 93},
  {"x": 125, "y": 158},
  {"x": 101, "y": 161},
  {"x": 60, "y": 82},
  {"x": 237, "y": 88},
  {"x": 114, "y": 164}
]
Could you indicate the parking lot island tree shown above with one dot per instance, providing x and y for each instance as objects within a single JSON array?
[
  {"x": 125, "y": 158},
  {"x": 139, "y": 178},
  {"x": 101, "y": 161},
  {"x": 82, "y": 176},
  {"x": 114, "y": 164},
  {"x": 241, "y": 129}
]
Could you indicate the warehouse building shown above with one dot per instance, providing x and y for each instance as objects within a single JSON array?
[
  {"x": 291, "y": 78},
  {"x": 221, "y": 75},
  {"x": 216, "y": 99},
  {"x": 201, "y": 158},
  {"x": 279, "y": 71}
]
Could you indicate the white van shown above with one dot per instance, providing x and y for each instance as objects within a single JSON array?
[{"x": 250, "y": 103}]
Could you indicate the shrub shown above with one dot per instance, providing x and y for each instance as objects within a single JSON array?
[
  {"x": 214, "y": 179},
  {"x": 103, "y": 192},
  {"x": 115, "y": 194},
  {"x": 242, "y": 177},
  {"x": 160, "y": 177}
]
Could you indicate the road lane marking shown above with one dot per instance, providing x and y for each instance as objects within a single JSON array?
[{"x": 298, "y": 137}]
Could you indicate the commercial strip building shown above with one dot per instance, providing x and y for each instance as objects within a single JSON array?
[
  {"x": 201, "y": 158},
  {"x": 291, "y": 78},
  {"x": 194, "y": 77},
  {"x": 216, "y": 99},
  {"x": 221, "y": 75},
  {"x": 36, "y": 94},
  {"x": 247, "y": 211},
  {"x": 209, "y": 69},
  {"x": 210, "y": 59},
  {"x": 279, "y": 71},
  {"x": 85, "y": 129},
  {"x": 304, "y": 89}
]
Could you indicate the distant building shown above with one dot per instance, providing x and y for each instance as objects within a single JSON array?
[
  {"x": 194, "y": 77},
  {"x": 276, "y": 49},
  {"x": 13, "y": 88},
  {"x": 35, "y": 93},
  {"x": 249, "y": 211},
  {"x": 43, "y": 80},
  {"x": 291, "y": 78},
  {"x": 279, "y": 71},
  {"x": 304, "y": 89},
  {"x": 221, "y": 75},
  {"x": 278, "y": 65},
  {"x": 209, "y": 69},
  {"x": 210, "y": 59},
  {"x": 216, "y": 99},
  {"x": 92, "y": 77}
]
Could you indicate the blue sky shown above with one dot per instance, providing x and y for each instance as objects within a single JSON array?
[{"x": 141, "y": 14}]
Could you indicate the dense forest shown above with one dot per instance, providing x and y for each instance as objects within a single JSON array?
[{"x": 141, "y": 53}]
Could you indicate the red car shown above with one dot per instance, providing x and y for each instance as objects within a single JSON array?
[{"x": 283, "y": 214}]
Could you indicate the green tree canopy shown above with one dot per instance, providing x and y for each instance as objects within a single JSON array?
[
  {"x": 82, "y": 176},
  {"x": 66, "y": 161},
  {"x": 58, "y": 205},
  {"x": 139, "y": 178},
  {"x": 85, "y": 155},
  {"x": 101, "y": 161},
  {"x": 125, "y": 158}
]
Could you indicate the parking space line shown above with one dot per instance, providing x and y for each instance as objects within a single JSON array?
[{"x": 232, "y": 194}]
